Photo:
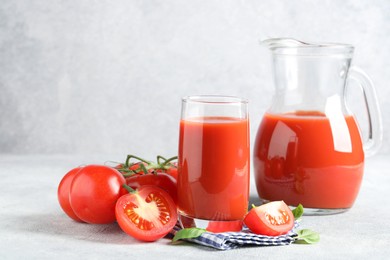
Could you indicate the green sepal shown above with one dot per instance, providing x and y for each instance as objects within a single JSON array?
[
  {"x": 188, "y": 233},
  {"x": 298, "y": 212}
]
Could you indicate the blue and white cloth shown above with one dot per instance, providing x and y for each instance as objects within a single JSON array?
[{"x": 231, "y": 240}]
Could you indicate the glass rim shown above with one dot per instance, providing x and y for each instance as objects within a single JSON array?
[{"x": 214, "y": 99}]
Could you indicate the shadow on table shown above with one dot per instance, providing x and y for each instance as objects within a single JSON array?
[
  {"x": 55, "y": 224},
  {"x": 59, "y": 225},
  {"x": 254, "y": 199}
]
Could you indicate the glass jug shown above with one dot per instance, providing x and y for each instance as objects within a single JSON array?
[{"x": 308, "y": 148}]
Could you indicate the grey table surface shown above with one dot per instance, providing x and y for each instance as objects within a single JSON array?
[{"x": 33, "y": 226}]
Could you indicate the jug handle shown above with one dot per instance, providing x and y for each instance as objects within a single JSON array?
[{"x": 373, "y": 143}]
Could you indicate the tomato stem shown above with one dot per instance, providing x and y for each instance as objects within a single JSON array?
[
  {"x": 129, "y": 189},
  {"x": 169, "y": 160},
  {"x": 128, "y": 174},
  {"x": 253, "y": 206},
  {"x": 159, "y": 157},
  {"x": 143, "y": 168},
  {"x": 135, "y": 157}
]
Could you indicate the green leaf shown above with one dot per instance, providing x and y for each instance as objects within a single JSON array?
[
  {"x": 308, "y": 236},
  {"x": 188, "y": 233},
  {"x": 298, "y": 212}
]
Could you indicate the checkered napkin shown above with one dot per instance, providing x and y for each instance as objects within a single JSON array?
[{"x": 231, "y": 240}]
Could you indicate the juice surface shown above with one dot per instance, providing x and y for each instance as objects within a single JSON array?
[
  {"x": 309, "y": 158},
  {"x": 213, "y": 180}
]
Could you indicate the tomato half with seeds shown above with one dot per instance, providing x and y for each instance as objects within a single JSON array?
[
  {"x": 271, "y": 219},
  {"x": 146, "y": 214}
]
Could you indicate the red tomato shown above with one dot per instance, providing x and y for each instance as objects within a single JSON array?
[
  {"x": 94, "y": 192},
  {"x": 162, "y": 180},
  {"x": 224, "y": 226},
  {"x": 63, "y": 193},
  {"x": 271, "y": 219},
  {"x": 172, "y": 171},
  {"x": 147, "y": 214}
]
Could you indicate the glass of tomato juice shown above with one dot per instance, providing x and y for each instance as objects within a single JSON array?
[{"x": 213, "y": 163}]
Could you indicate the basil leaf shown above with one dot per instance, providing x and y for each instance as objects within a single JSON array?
[
  {"x": 308, "y": 236},
  {"x": 188, "y": 233},
  {"x": 298, "y": 212}
]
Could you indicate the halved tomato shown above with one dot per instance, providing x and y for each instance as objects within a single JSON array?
[
  {"x": 146, "y": 214},
  {"x": 271, "y": 219}
]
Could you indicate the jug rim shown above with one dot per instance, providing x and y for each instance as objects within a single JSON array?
[{"x": 297, "y": 47}]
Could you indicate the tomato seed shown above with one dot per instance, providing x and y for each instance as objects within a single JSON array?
[{"x": 278, "y": 220}]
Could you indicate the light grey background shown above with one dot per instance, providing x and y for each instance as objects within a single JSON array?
[{"x": 99, "y": 77}]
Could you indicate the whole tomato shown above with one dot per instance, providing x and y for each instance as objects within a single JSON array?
[
  {"x": 94, "y": 192},
  {"x": 171, "y": 170},
  {"x": 63, "y": 193},
  {"x": 159, "y": 179}
]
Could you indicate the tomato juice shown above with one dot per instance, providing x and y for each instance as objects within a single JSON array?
[
  {"x": 213, "y": 168},
  {"x": 309, "y": 158}
]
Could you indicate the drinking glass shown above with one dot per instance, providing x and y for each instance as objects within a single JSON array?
[{"x": 213, "y": 163}]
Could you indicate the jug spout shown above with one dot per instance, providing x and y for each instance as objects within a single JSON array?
[{"x": 273, "y": 43}]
